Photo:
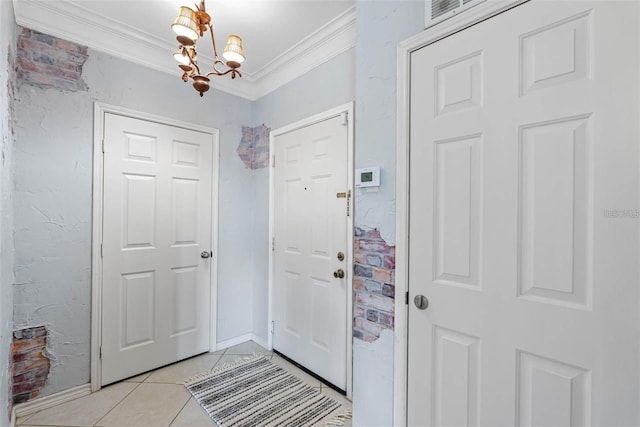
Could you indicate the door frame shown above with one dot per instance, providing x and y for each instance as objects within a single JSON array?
[
  {"x": 100, "y": 109},
  {"x": 345, "y": 109},
  {"x": 405, "y": 48}
]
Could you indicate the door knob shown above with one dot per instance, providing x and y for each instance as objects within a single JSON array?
[
  {"x": 205, "y": 254},
  {"x": 421, "y": 302},
  {"x": 338, "y": 274}
]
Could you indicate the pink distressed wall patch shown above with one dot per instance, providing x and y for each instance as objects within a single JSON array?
[
  {"x": 373, "y": 285},
  {"x": 49, "y": 62}
]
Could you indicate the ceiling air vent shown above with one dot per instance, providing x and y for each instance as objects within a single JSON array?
[{"x": 439, "y": 10}]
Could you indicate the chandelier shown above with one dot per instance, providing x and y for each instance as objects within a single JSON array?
[{"x": 191, "y": 24}]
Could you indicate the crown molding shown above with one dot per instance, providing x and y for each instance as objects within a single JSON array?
[
  {"x": 329, "y": 41},
  {"x": 72, "y": 21}
]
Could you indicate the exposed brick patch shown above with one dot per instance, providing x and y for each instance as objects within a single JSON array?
[
  {"x": 254, "y": 146},
  {"x": 29, "y": 363},
  {"x": 373, "y": 285},
  {"x": 48, "y": 62}
]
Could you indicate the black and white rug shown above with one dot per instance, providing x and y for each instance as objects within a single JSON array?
[{"x": 255, "y": 392}]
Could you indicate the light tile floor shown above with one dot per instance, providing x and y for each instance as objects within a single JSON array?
[{"x": 159, "y": 398}]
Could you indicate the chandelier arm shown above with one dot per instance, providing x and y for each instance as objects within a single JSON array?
[
  {"x": 213, "y": 42},
  {"x": 219, "y": 73},
  {"x": 216, "y": 70},
  {"x": 194, "y": 64},
  {"x": 191, "y": 61}
]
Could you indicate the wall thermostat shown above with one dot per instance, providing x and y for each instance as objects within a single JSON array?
[{"x": 368, "y": 177}]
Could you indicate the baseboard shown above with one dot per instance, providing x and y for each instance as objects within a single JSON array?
[
  {"x": 35, "y": 405},
  {"x": 256, "y": 339},
  {"x": 233, "y": 341}
]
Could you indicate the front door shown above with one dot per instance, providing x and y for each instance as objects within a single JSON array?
[
  {"x": 524, "y": 220},
  {"x": 156, "y": 245},
  {"x": 311, "y": 206}
]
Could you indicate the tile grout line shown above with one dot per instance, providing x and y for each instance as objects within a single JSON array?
[
  {"x": 119, "y": 402},
  {"x": 190, "y": 396},
  {"x": 181, "y": 409}
]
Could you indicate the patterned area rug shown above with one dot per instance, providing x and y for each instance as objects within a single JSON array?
[{"x": 255, "y": 392}]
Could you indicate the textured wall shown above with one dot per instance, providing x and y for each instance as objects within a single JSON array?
[
  {"x": 7, "y": 85},
  {"x": 381, "y": 25},
  {"x": 53, "y": 176}
]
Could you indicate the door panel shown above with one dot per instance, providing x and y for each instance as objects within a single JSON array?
[
  {"x": 523, "y": 136},
  {"x": 309, "y": 303},
  {"x": 156, "y": 222}
]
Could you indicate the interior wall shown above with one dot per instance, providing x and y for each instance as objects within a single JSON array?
[
  {"x": 324, "y": 87},
  {"x": 381, "y": 26},
  {"x": 7, "y": 85},
  {"x": 53, "y": 176}
]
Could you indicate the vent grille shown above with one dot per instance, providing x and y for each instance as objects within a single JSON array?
[
  {"x": 440, "y": 7},
  {"x": 443, "y": 9}
]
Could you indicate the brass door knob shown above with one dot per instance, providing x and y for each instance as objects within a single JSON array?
[{"x": 338, "y": 274}]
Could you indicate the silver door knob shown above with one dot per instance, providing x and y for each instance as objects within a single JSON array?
[
  {"x": 338, "y": 274},
  {"x": 421, "y": 302},
  {"x": 205, "y": 254}
]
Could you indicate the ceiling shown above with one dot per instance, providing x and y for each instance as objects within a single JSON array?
[{"x": 282, "y": 38}]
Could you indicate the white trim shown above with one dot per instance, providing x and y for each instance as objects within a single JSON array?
[
  {"x": 242, "y": 339},
  {"x": 46, "y": 402},
  {"x": 325, "y": 115},
  {"x": 402, "y": 239},
  {"x": 74, "y": 22},
  {"x": 332, "y": 39},
  {"x": 260, "y": 341},
  {"x": 100, "y": 109},
  {"x": 234, "y": 341},
  {"x": 464, "y": 20}
]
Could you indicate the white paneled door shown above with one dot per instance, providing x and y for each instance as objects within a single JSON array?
[
  {"x": 523, "y": 217},
  {"x": 156, "y": 245},
  {"x": 310, "y": 229}
]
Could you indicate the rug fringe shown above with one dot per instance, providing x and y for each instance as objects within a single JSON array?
[
  {"x": 340, "y": 419},
  {"x": 224, "y": 367}
]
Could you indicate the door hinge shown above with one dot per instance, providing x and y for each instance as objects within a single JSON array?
[
  {"x": 273, "y": 244},
  {"x": 349, "y": 203},
  {"x": 345, "y": 118},
  {"x": 406, "y": 298},
  {"x": 103, "y": 145},
  {"x": 101, "y": 250},
  {"x": 100, "y": 352},
  {"x": 273, "y": 327},
  {"x": 273, "y": 161}
]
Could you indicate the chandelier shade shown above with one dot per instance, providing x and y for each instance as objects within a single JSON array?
[
  {"x": 185, "y": 24},
  {"x": 233, "y": 51},
  {"x": 191, "y": 24}
]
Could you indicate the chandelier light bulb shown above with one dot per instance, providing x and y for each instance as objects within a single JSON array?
[{"x": 181, "y": 56}]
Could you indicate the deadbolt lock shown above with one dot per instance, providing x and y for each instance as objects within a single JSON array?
[
  {"x": 340, "y": 256},
  {"x": 338, "y": 274}
]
